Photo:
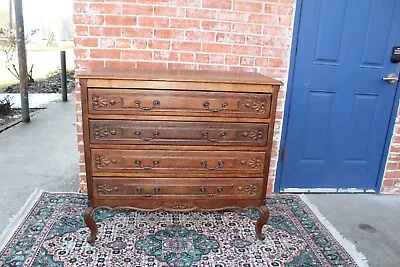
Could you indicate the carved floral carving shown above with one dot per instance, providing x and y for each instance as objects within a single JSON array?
[
  {"x": 102, "y": 162},
  {"x": 256, "y": 104},
  {"x": 102, "y": 131},
  {"x": 99, "y": 101},
  {"x": 250, "y": 189},
  {"x": 253, "y": 163},
  {"x": 256, "y": 135},
  {"x": 102, "y": 102},
  {"x": 104, "y": 189}
]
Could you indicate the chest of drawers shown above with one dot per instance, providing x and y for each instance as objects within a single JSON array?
[{"x": 177, "y": 140}]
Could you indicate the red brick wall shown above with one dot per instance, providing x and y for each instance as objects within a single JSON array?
[
  {"x": 252, "y": 35},
  {"x": 391, "y": 181}
]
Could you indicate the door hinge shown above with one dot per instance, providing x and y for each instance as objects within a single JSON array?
[{"x": 283, "y": 154}]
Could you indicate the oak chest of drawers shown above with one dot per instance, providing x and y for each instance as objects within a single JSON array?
[{"x": 177, "y": 140}]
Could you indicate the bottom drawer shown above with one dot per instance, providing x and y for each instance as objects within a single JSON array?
[{"x": 187, "y": 188}]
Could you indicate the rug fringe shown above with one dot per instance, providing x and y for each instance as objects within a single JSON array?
[
  {"x": 17, "y": 219},
  {"x": 358, "y": 257}
]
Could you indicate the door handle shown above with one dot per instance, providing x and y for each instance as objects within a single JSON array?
[{"x": 391, "y": 78}]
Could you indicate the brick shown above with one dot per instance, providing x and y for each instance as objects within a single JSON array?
[
  {"x": 120, "y": 64},
  {"x": 274, "y": 52},
  {"x": 81, "y": 53},
  {"x": 137, "y": 10},
  {"x": 137, "y": 55},
  {"x": 105, "y": 31},
  {"x": 105, "y": 53},
  {"x": 186, "y": 57},
  {"x": 153, "y": 22},
  {"x": 266, "y": 19},
  {"x": 210, "y": 58},
  {"x": 112, "y": 20},
  {"x": 107, "y": 42},
  {"x": 217, "y": 48},
  {"x": 233, "y": 16},
  {"x": 86, "y": 42},
  {"x": 261, "y": 40},
  {"x": 159, "y": 44},
  {"x": 392, "y": 166},
  {"x": 151, "y": 65},
  {"x": 81, "y": 30},
  {"x": 231, "y": 38},
  {"x": 278, "y": 9},
  {"x": 247, "y": 61},
  {"x": 186, "y": 46},
  {"x": 247, "y": 28},
  {"x": 139, "y": 44},
  {"x": 168, "y": 11},
  {"x": 137, "y": 32},
  {"x": 165, "y": 56},
  {"x": 392, "y": 174},
  {"x": 232, "y": 59},
  {"x": 182, "y": 66},
  {"x": 86, "y": 64},
  {"x": 169, "y": 34},
  {"x": 123, "y": 43},
  {"x": 247, "y": 6},
  {"x": 276, "y": 31},
  {"x": 201, "y": 13},
  {"x": 104, "y": 8},
  {"x": 184, "y": 23},
  {"x": 92, "y": 19},
  {"x": 220, "y": 4},
  {"x": 246, "y": 50},
  {"x": 285, "y": 21},
  {"x": 277, "y": 62},
  {"x": 152, "y": 2},
  {"x": 216, "y": 26},
  {"x": 204, "y": 36}
]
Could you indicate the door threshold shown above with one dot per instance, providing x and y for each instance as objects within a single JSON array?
[{"x": 328, "y": 190}]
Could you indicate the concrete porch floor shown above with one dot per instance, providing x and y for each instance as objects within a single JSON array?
[{"x": 43, "y": 155}]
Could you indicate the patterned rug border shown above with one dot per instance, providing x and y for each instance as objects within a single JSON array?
[
  {"x": 347, "y": 245},
  {"x": 17, "y": 220}
]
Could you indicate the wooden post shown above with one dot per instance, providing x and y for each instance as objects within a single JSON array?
[{"x": 23, "y": 69}]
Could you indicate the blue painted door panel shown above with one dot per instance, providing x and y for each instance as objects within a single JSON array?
[{"x": 340, "y": 106}]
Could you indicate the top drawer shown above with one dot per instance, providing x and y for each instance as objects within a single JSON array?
[{"x": 181, "y": 103}]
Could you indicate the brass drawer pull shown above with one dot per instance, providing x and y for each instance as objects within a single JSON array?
[
  {"x": 140, "y": 191},
  {"x": 220, "y": 164},
  {"x": 205, "y": 135},
  {"x": 139, "y": 163},
  {"x": 204, "y": 190},
  {"x": 155, "y": 135},
  {"x": 224, "y": 105},
  {"x": 155, "y": 104}
]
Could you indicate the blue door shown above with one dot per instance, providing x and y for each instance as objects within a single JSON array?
[{"x": 340, "y": 105}]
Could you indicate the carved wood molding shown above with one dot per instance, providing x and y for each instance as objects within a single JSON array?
[
  {"x": 256, "y": 135},
  {"x": 253, "y": 163},
  {"x": 100, "y": 102},
  {"x": 250, "y": 189},
  {"x": 256, "y": 104},
  {"x": 102, "y": 162},
  {"x": 104, "y": 189},
  {"x": 101, "y": 131}
]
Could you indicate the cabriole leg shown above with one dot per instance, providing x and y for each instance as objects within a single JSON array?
[
  {"x": 262, "y": 220},
  {"x": 88, "y": 216}
]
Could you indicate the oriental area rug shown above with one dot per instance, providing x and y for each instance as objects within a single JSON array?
[{"x": 51, "y": 232}]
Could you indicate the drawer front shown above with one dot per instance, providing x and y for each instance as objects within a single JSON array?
[
  {"x": 185, "y": 103},
  {"x": 142, "y": 162},
  {"x": 177, "y": 188},
  {"x": 178, "y": 133}
]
